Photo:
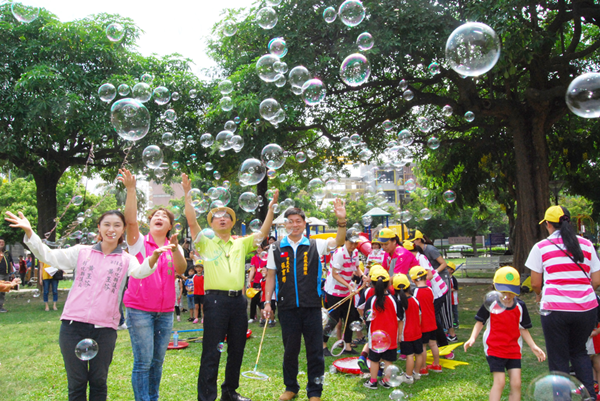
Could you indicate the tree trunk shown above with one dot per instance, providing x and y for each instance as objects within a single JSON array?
[
  {"x": 261, "y": 188},
  {"x": 46, "y": 182},
  {"x": 474, "y": 244},
  {"x": 532, "y": 174}
]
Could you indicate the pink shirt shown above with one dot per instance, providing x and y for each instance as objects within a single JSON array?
[{"x": 401, "y": 259}]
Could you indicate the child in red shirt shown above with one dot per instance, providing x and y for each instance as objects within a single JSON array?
[
  {"x": 199, "y": 293},
  {"x": 411, "y": 343},
  {"x": 424, "y": 295}
]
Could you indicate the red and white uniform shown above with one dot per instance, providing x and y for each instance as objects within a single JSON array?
[
  {"x": 386, "y": 320},
  {"x": 345, "y": 264},
  {"x": 454, "y": 289},
  {"x": 365, "y": 294},
  {"x": 593, "y": 344},
  {"x": 566, "y": 287},
  {"x": 437, "y": 284},
  {"x": 377, "y": 256},
  {"x": 411, "y": 331},
  {"x": 425, "y": 297},
  {"x": 502, "y": 336}
]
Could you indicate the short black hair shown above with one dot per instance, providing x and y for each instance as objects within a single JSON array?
[{"x": 294, "y": 211}]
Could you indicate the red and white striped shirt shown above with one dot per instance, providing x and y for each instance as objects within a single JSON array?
[
  {"x": 345, "y": 265},
  {"x": 437, "y": 284},
  {"x": 566, "y": 287}
]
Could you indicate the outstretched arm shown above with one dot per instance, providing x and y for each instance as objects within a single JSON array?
[
  {"x": 339, "y": 208},
  {"x": 133, "y": 230},
  {"x": 266, "y": 227},
  {"x": 476, "y": 330},
  {"x": 190, "y": 213},
  {"x": 541, "y": 356}
]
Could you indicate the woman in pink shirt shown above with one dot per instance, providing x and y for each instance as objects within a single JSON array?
[{"x": 149, "y": 301}]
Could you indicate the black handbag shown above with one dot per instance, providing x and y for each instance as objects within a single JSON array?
[{"x": 59, "y": 275}]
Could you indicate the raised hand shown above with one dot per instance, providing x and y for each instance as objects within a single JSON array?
[
  {"x": 126, "y": 178},
  {"x": 186, "y": 183},
  {"x": 173, "y": 240},
  {"x": 339, "y": 208},
  {"x": 19, "y": 222},
  {"x": 275, "y": 198}
]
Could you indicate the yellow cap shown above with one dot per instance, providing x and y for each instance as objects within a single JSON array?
[
  {"x": 418, "y": 234},
  {"x": 507, "y": 279},
  {"x": 417, "y": 272},
  {"x": 553, "y": 214},
  {"x": 386, "y": 234},
  {"x": 251, "y": 292},
  {"x": 378, "y": 271},
  {"x": 408, "y": 245},
  {"x": 227, "y": 210},
  {"x": 400, "y": 282},
  {"x": 451, "y": 265}
]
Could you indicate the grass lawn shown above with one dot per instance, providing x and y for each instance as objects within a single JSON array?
[{"x": 31, "y": 365}]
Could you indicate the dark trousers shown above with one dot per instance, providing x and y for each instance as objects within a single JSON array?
[
  {"x": 566, "y": 334},
  {"x": 94, "y": 371},
  {"x": 336, "y": 314},
  {"x": 223, "y": 316},
  {"x": 439, "y": 304},
  {"x": 295, "y": 323},
  {"x": 3, "y": 277},
  {"x": 255, "y": 301}
]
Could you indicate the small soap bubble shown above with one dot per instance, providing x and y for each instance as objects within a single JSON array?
[
  {"x": 405, "y": 137},
  {"x": 365, "y": 41},
  {"x": 225, "y": 87},
  {"x": 271, "y": 173},
  {"x": 398, "y": 395},
  {"x": 147, "y": 78},
  {"x": 266, "y": 18},
  {"x": 357, "y": 325},
  {"x": 222, "y": 347},
  {"x": 403, "y": 84},
  {"x": 226, "y": 103},
  {"x": 208, "y": 233},
  {"x": 434, "y": 68},
  {"x": 300, "y": 157},
  {"x": 469, "y": 116},
  {"x": 206, "y": 140},
  {"x": 216, "y": 175},
  {"x": 449, "y": 196},
  {"x": 280, "y": 67},
  {"x": 252, "y": 171},
  {"x": 408, "y": 95},
  {"x": 175, "y": 165},
  {"x": 557, "y": 386},
  {"x": 329, "y": 15},
  {"x": 433, "y": 143},
  {"x": 447, "y": 110},
  {"x": 255, "y": 225},
  {"x": 170, "y": 115},
  {"x": 115, "y": 32},
  {"x": 272, "y": 156},
  {"x": 582, "y": 95},
  {"x": 193, "y": 93},
  {"x": 152, "y": 156},
  {"x": 77, "y": 200},
  {"x": 392, "y": 373},
  {"x": 426, "y": 214},
  {"x": 387, "y": 125},
  {"x": 410, "y": 185},
  {"x": 424, "y": 124},
  {"x": 230, "y": 126},
  {"x": 124, "y": 89},
  {"x": 35, "y": 293},
  {"x": 316, "y": 188},
  {"x": 86, "y": 349},
  {"x": 267, "y": 68},
  {"x": 405, "y": 216},
  {"x": 269, "y": 108},
  {"x": 355, "y": 70},
  {"x": 351, "y": 12},
  {"x": 493, "y": 302},
  {"x": 107, "y": 92},
  {"x": 313, "y": 92},
  {"x": 278, "y": 47},
  {"x": 142, "y": 92},
  {"x": 298, "y": 76},
  {"x": 380, "y": 341},
  {"x": 161, "y": 95},
  {"x": 229, "y": 28},
  {"x": 24, "y": 13},
  {"x": 367, "y": 220}
]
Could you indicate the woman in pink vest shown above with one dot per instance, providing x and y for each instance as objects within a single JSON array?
[
  {"x": 149, "y": 301},
  {"x": 92, "y": 307}
]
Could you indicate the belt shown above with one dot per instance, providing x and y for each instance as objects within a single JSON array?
[{"x": 230, "y": 293}]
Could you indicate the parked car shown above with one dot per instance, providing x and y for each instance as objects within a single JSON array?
[{"x": 459, "y": 248}]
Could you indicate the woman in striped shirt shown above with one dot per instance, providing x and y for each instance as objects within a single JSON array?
[{"x": 565, "y": 271}]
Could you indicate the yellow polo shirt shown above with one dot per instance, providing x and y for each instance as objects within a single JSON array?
[{"x": 228, "y": 270}]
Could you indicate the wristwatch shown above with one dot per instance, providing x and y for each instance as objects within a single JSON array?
[{"x": 268, "y": 302}]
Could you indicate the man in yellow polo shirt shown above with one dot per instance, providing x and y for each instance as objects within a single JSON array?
[{"x": 225, "y": 307}]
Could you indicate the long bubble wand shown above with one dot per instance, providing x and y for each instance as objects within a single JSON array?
[{"x": 255, "y": 374}]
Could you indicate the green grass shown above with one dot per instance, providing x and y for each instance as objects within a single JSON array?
[{"x": 32, "y": 368}]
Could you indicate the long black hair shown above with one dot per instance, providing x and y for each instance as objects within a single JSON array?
[
  {"x": 568, "y": 235},
  {"x": 403, "y": 298},
  {"x": 380, "y": 287}
]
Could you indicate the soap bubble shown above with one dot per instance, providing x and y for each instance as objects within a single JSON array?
[
  {"x": 434, "y": 68},
  {"x": 278, "y": 47},
  {"x": 313, "y": 92},
  {"x": 447, "y": 110},
  {"x": 405, "y": 216},
  {"x": 426, "y": 214},
  {"x": 252, "y": 171},
  {"x": 229, "y": 28},
  {"x": 206, "y": 140},
  {"x": 408, "y": 95},
  {"x": 222, "y": 347},
  {"x": 225, "y": 87},
  {"x": 152, "y": 156},
  {"x": 403, "y": 84},
  {"x": 582, "y": 95},
  {"x": 280, "y": 81},
  {"x": 387, "y": 125},
  {"x": 271, "y": 174},
  {"x": 147, "y": 78},
  {"x": 351, "y": 12},
  {"x": 170, "y": 115},
  {"x": 557, "y": 386},
  {"x": 208, "y": 233},
  {"x": 161, "y": 95},
  {"x": 270, "y": 194},
  {"x": 226, "y": 103},
  {"x": 493, "y": 302},
  {"x": 255, "y": 225},
  {"x": 392, "y": 373},
  {"x": 405, "y": 137},
  {"x": 217, "y": 175},
  {"x": 24, "y": 13},
  {"x": 86, "y": 349},
  {"x": 380, "y": 341},
  {"x": 300, "y": 157},
  {"x": 77, "y": 200},
  {"x": 410, "y": 185},
  {"x": 107, "y": 92},
  {"x": 142, "y": 92},
  {"x": 248, "y": 201},
  {"x": 124, "y": 89},
  {"x": 266, "y": 18},
  {"x": 269, "y": 108},
  {"x": 193, "y": 93},
  {"x": 365, "y": 154},
  {"x": 88, "y": 213},
  {"x": 357, "y": 325},
  {"x": 272, "y": 156},
  {"x": 365, "y": 41},
  {"x": 398, "y": 395},
  {"x": 367, "y": 220},
  {"x": 469, "y": 116},
  {"x": 230, "y": 126},
  {"x": 115, "y": 32},
  {"x": 449, "y": 196},
  {"x": 175, "y": 96},
  {"x": 472, "y": 49},
  {"x": 265, "y": 67},
  {"x": 316, "y": 188},
  {"x": 168, "y": 139},
  {"x": 433, "y": 143},
  {"x": 237, "y": 143},
  {"x": 355, "y": 70},
  {"x": 280, "y": 67},
  {"x": 329, "y": 15},
  {"x": 35, "y": 293},
  {"x": 355, "y": 139},
  {"x": 424, "y": 124},
  {"x": 273, "y": 3},
  {"x": 298, "y": 76},
  {"x": 175, "y": 165}
]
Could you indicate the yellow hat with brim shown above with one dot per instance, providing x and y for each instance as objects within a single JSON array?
[
  {"x": 553, "y": 214},
  {"x": 417, "y": 272},
  {"x": 418, "y": 234},
  {"x": 400, "y": 282},
  {"x": 408, "y": 245},
  {"x": 507, "y": 279},
  {"x": 378, "y": 271},
  {"x": 451, "y": 265},
  {"x": 386, "y": 234},
  {"x": 251, "y": 292},
  {"x": 227, "y": 210}
]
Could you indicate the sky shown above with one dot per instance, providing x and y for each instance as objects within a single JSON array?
[{"x": 173, "y": 26}]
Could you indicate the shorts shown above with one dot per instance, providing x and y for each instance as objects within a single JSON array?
[
  {"x": 501, "y": 364},
  {"x": 390, "y": 355},
  {"x": 428, "y": 336},
  {"x": 198, "y": 299},
  {"x": 190, "y": 299},
  {"x": 411, "y": 347}
]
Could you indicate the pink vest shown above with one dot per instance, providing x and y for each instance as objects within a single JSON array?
[
  {"x": 156, "y": 292},
  {"x": 95, "y": 295}
]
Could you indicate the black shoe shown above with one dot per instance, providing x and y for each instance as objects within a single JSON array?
[
  {"x": 191, "y": 319},
  {"x": 233, "y": 397},
  {"x": 271, "y": 323},
  {"x": 326, "y": 352},
  {"x": 349, "y": 352}
]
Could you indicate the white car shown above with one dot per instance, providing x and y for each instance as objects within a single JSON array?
[{"x": 459, "y": 248}]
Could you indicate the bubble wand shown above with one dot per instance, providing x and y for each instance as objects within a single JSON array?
[
  {"x": 254, "y": 374},
  {"x": 341, "y": 343}
]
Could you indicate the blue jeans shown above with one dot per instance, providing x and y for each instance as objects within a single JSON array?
[
  {"x": 47, "y": 284},
  {"x": 150, "y": 333}
]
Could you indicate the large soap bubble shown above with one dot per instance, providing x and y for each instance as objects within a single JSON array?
[
  {"x": 555, "y": 386},
  {"x": 142, "y": 92},
  {"x": 583, "y": 95},
  {"x": 355, "y": 70},
  {"x": 269, "y": 108},
  {"x": 313, "y": 92},
  {"x": 265, "y": 67},
  {"x": 86, "y": 349},
  {"x": 298, "y": 76},
  {"x": 352, "y": 12},
  {"x": 472, "y": 49},
  {"x": 316, "y": 188},
  {"x": 380, "y": 341},
  {"x": 206, "y": 140},
  {"x": 273, "y": 156},
  {"x": 252, "y": 171},
  {"x": 152, "y": 156},
  {"x": 107, "y": 92},
  {"x": 229, "y": 28},
  {"x": 255, "y": 225},
  {"x": 493, "y": 302},
  {"x": 115, "y": 32},
  {"x": 225, "y": 87},
  {"x": 226, "y": 103},
  {"x": 223, "y": 140},
  {"x": 278, "y": 47},
  {"x": 248, "y": 201},
  {"x": 130, "y": 119},
  {"x": 161, "y": 95},
  {"x": 266, "y": 18},
  {"x": 24, "y": 13}
]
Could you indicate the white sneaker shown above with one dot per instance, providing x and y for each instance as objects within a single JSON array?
[
  {"x": 179, "y": 318},
  {"x": 122, "y": 327},
  {"x": 416, "y": 376},
  {"x": 406, "y": 379},
  {"x": 251, "y": 321}
]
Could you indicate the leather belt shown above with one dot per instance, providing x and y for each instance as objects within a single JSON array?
[{"x": 230, "y": 293}]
